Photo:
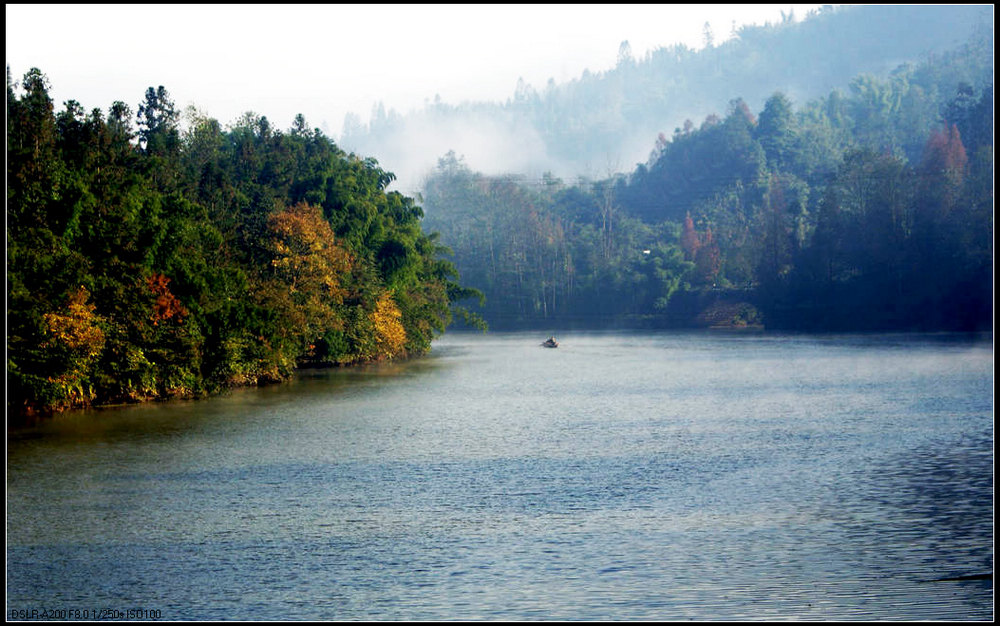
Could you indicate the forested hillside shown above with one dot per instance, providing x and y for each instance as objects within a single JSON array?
[
  {"x": 606, "y": 121},
  {"x": 865, "y": 209},
  {"x": 146, "y": 262},
  {"x": 150, "y": 259}
]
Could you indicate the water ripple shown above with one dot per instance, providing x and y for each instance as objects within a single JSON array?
[{"x": 675, "y": 477}]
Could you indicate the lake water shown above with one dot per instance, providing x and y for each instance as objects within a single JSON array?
[{"x": 619, "y": 477}]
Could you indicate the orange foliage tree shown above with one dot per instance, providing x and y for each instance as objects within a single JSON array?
[
  {"x": 689, "y": 239},
  {"x": 166, "y": 305}
]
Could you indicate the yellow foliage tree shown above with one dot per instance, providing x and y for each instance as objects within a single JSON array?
[
  {"x": 390, "y": 334},
  {"x": 313, "y": 269},
  {"x": 75, "y": 332}
]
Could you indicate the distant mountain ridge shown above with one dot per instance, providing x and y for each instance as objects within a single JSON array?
[{"x": 608, "y": 122}]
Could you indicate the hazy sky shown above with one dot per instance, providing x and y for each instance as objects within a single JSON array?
[{"x": 326, "y": 60}]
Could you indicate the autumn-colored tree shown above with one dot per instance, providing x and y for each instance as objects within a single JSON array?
[
  {"x": 708, "y": 259},
  {"x": 75, "y": 338},
  {"x": 689, "y": 239},
  {"x": 306, "y": 253},
  {"x": 943, "y": 167},
  {"x": 946, "y": 231},
  {"x": 76, "y": 327},
  {"x": 390, "y": 336},
  {"x": 774, "y": 255},
  {"x": 166, "y": 305},
  {"x": 942, "y": 181},
  {"x": 312, "y": 270}
]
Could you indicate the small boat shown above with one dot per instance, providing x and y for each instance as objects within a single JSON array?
[{"x": 550, "y": 343}]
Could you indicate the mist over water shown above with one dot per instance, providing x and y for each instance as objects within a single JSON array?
[{"x": 620, "y": 476}]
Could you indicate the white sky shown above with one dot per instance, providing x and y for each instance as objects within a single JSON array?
[{"x": 327, "y": 60}]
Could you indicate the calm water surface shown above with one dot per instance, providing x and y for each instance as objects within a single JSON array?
[{"x": 621, "y": 476}]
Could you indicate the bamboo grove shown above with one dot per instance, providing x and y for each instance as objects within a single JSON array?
[{"x": 149, "y": 258}]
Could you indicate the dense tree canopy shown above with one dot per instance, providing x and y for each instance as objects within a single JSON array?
[
  {"x": 871, "y": 210},
  {"x": 148, "y": 260}
]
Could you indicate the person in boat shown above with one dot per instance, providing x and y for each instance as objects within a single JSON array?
[{"x": 551, "y": 342}]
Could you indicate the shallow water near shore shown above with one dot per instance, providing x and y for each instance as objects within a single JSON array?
[{"x": 652, "y": 476}]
